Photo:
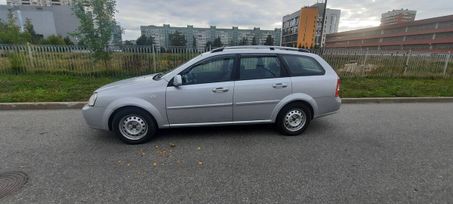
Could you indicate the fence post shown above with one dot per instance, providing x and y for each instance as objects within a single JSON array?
[
  {"x": 154, "y": 58},
  {"x": 364, "y": 62},
  {"x": 447, "y": 60},
  {"x": 30, "y": 55},
  {"x": 407, "y": 62}
]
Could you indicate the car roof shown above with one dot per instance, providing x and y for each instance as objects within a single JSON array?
[{"x": 258, "y": 50}]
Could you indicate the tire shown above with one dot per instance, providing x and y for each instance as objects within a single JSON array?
[
  {"x": 287, "y": 119},
  {"x": 134, "y": 126}
]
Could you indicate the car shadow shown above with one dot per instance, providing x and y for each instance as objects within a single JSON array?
[
  {"x": 240, "y": 131},
  {"x": 261, "y": 130}
]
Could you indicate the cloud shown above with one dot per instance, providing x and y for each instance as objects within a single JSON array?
[{"x": 266, "y": 14}]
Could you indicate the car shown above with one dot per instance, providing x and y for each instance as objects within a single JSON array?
[{"x": 284, "y": 86}]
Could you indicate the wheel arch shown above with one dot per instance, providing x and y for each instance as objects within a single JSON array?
[
  {"x": 296, "y": 98},
  {"x": 121, "y": 104},
  {"x": 110, "y": 121}
]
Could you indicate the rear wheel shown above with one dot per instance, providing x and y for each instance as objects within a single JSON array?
[
  {"x": 293, "y": 119},
  {"x": 134, "y": 126}
]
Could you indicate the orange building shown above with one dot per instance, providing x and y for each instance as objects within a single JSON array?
[
  {"x": 307, "y": 27},
  {"x": 303, "y": 28}
]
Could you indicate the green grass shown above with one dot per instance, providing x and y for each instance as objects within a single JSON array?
[
  {"x": 48, "y": 88},
  {"x": 56, "y": 88},
  {"x": 396, "y": 87}
]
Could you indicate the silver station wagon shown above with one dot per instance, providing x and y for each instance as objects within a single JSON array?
[{"x": 232, "y": 85}]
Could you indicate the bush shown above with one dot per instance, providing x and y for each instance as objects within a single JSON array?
[{"x": 16, "y": 64}]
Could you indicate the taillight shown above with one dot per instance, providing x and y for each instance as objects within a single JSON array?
[{"x": 337, "y": 92}]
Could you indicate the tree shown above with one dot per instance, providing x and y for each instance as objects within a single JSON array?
[
  {"x": 208, "y": 45},
  {"x": 269, "y": 40},
  {"x": 28, "y": 28},
  {"x": 217, "y": 43},
  {"x": 177, "y": 39},
  {"x": 143, "y": 40},
  {"x": 68, "y": 41},
  {"x": 10, "y": 32},
  {"x": 54, "y": 40},
  {"x": 254, "y": 41},
  {"x": 97, "y": 21},
  {"x": 194, "y": 42},
  {"x": 128, "y": 42},
  {"x": 243, "y": 41}
]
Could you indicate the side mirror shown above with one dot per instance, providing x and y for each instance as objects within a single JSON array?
[{"x": 177, "y": 81}]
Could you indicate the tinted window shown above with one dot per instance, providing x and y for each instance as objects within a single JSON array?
[
  {"x": 303, "y": 66},
  {"x": 214, "y": 70},
  {"x": 260, "y": 68}
]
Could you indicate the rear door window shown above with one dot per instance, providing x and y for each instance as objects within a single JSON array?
[
  {"x": 260, "y": 67},
  {"x": 303, "y": 65}
]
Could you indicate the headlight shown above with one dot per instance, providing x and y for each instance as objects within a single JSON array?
[{"x": 92, "y": 100}]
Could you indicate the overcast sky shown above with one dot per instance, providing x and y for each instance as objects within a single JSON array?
[{"x": 266, "y": 14}]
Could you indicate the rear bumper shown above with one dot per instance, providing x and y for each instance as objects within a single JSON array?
[
  {"x": 332, "y": 107},
  {"x": 338, "y": 99},
  {"x": 94, "y": 117}
]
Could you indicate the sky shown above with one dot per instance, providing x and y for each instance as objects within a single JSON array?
[{"x": 266, "y": 14}]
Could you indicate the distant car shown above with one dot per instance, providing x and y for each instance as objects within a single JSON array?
[{"x": 227, "y": 86}]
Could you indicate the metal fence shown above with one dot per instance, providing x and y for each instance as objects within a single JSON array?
[
  {"x": 388, "y": 63},
  {"x": 138, "y": 60},
  {"x": 75, "y": 60}
]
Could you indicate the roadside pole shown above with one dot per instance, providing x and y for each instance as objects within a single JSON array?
[
  {"x": 30, "y": 55},
  {"x": 154, "y": 58},
  {"x": 447, "y": 60},
  {"x": 364, "y": 62},
  {"x": 406, "y": 66}
]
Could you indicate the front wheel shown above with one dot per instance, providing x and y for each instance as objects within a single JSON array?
[
  {"x": 293, "y": 119},
  {"x": 134, "y": 126}
]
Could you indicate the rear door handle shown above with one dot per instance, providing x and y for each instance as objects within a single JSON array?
[
  {"x": 220, "y": 90},
  {"x": 280, "y": 85}
]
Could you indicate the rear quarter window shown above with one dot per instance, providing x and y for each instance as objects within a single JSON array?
[{"x": 303, "y": 65}]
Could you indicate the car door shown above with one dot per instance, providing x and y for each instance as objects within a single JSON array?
[
  {"x": 262, "y": 83},
  {"x": 206, "y": 93}
]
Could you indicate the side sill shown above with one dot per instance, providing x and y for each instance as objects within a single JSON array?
[{"x": 217, "y": 123}]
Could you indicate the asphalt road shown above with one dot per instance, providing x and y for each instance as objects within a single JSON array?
[{"x": 369, "y": 153}]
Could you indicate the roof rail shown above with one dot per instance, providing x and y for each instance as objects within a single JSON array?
[
  {"x": 260, "y": 47},
  {"x": 220, "y": 49}
]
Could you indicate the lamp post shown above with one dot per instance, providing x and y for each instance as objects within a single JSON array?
[{"x": 323, "y": 22}]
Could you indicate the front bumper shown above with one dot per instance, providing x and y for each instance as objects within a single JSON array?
[{"x": 94, "y": 117}]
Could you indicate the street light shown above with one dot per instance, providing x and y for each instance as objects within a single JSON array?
[{"x": 323, "y": 22}]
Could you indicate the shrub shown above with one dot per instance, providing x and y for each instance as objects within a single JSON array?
[{"x": 16, "y": 64}]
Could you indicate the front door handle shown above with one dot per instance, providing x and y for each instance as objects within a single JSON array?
[
  {"x": 220, "y": 90},
  {"x": 280, "y": 85}
]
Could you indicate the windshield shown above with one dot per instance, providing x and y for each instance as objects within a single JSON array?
[{"x": 163, "y": 74}]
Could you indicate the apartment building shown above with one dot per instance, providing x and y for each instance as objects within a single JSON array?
[
  {"x": 303, "y": 28},
  {"x": 398, "y": 17},
  {"x": 51, "y": 20},
  {"x": 198, "y": 38},
  {"x": 38, "y": 2}
]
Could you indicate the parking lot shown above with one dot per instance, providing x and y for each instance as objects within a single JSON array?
[{"x": 367, "y": 153}]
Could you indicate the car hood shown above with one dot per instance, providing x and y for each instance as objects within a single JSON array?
[{"x": 128, "y": 82}]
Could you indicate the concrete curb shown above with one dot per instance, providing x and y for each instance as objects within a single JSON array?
[
  {"x": 42, "y": 106},
  {"x": 79, "y": 105},
  {"x": 398, "y": 100}
]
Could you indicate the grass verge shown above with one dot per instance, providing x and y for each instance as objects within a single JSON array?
[
  {"x": 396, "y": 87},
  {"x": 48, "y": 88},
  {"x": 55, "y": 88}
]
